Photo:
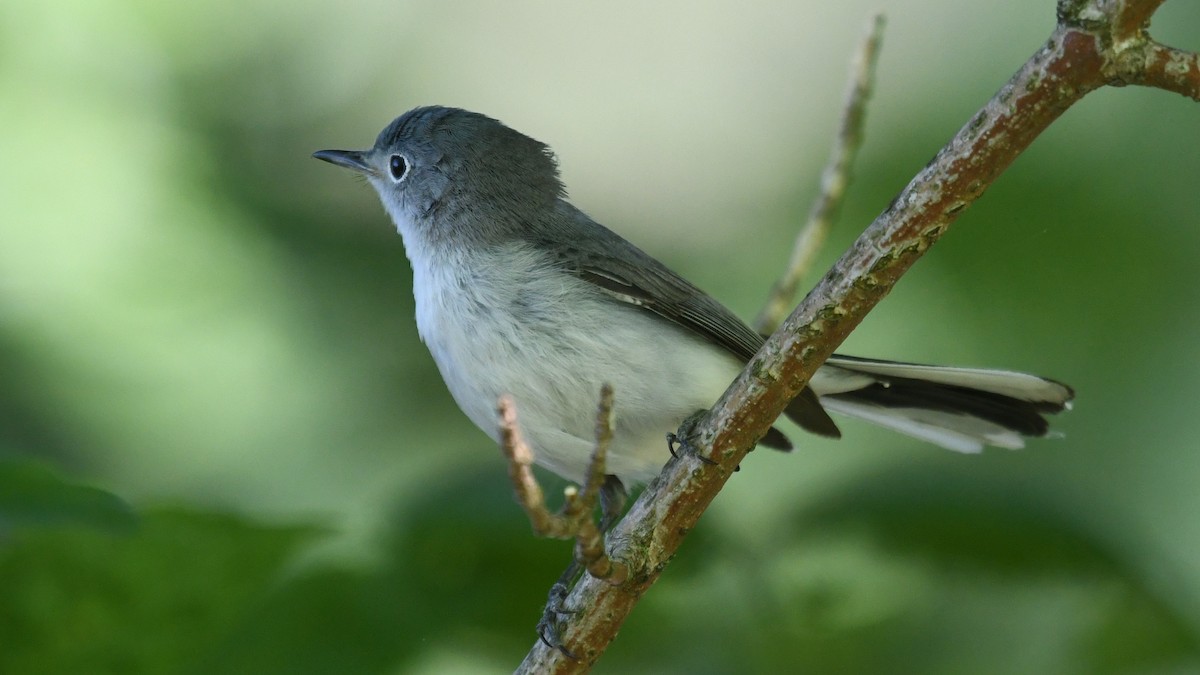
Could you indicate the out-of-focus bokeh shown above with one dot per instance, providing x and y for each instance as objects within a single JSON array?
[{"x": 224, "y": 449}]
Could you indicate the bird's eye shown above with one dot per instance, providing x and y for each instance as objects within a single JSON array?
[{"x": 399, "y": 167}]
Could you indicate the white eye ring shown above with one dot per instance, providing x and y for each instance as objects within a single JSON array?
[{"x": 398, "y": 166}]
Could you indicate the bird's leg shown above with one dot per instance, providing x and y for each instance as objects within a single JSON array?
[
  {"x": 550, "y": 626},
  {"x": 680, "y": 441},
  {"x": 612, "y": 502}
]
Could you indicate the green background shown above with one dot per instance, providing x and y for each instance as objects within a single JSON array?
[{"x": 224, "y": 449}]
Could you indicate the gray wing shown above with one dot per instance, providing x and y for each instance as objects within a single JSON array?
[
  {"x": 599, "y": 256},
  {"x": 646, "y": 283},
  {"x": 629, "y": 275}
]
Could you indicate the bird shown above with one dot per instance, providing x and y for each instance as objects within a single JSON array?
[{"x": 519, "y": 292}]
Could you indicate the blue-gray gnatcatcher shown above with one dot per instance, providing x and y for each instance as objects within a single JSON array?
[{"x": 519, "y": 292}]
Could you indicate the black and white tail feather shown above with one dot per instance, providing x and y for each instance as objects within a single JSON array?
[{"x": 961, "y": 409}]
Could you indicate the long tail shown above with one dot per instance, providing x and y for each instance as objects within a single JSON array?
[{"x": 960, "y": 409}]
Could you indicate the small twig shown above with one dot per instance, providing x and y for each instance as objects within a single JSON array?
[
  {"x": 589, "y": 540},
  {"x": 520, "y": 472},
  {"x": 834, "y": 179},
  {"x": 596, "y": 467},
  {"x": 576, "y": 520}
]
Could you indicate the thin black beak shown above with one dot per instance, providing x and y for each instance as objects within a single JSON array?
[{"x": 355, "y": 160}]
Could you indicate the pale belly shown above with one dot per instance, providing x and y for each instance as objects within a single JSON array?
[{"x": 551, "y": 347}]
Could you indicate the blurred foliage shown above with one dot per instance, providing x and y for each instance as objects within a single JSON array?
[
  {"x": 916, "y": 569},
  {"x": 79, "y": 599},
  {"x": 224, "y": 449},
  {"x": 31, "y": 495}
]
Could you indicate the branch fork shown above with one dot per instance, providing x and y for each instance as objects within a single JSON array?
[{"x": 575, "y": 519}]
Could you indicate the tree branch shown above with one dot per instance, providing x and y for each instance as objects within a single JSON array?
[{"x": 1083, "y": 54}]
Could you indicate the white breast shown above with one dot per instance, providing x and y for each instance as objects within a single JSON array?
[{"x": 516, "y": 325}]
